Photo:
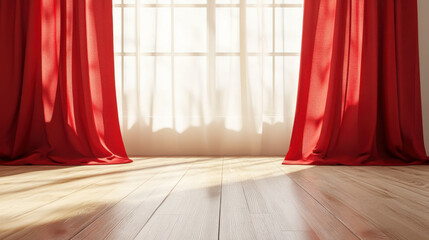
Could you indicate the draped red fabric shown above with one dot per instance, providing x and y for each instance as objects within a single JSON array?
[
  {"x": 57, "y": 92},
  {"x": 359, "y": 87}
]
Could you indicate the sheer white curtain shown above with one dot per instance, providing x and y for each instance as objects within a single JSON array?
[{"x": 207, "y": 77}]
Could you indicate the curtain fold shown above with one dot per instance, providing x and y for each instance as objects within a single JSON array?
[
  {"x": 57, "y": 94},
  {"x": 359, "y": 87}
]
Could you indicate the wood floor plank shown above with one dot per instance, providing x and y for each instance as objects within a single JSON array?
[
  {"x": 292, "y": 207},
  {"x": 298, "y": 235},
  {"x": 35, "y": 189},
  {"x": 399, "y": 180},
  {"x": 342, "y": 210},
  {"x": 411, "y": 209},
  {"x": 125, "y": 219},
  {"x": 364, "y": 207},
  {"x": 289, "y": 208},
  {"x": 159, "y": 227},
  {"x": 193, "y": 205},
  {"x": 16, "y": 170},
  {"x": 66, "y": 216},
  {"x": 235, "y": 216}
]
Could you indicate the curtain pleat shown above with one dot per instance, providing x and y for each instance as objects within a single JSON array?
[
  {"x": 57, "y": 94},
  {"x": 359, "y": 87}
]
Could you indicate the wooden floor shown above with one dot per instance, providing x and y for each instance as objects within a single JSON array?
[{"x": 214, "y": 198}]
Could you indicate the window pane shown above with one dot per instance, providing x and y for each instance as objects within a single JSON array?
[
  {"x": 190, "y": 82},
  {"x": 155, "y": 1},
  {"x": 190, "y": 30},
  {"x": 227, "y": 30},
  {"x": 118, "y": 85},
  {"x": 288, "y": 29},
  {"x": 129, "y": 29},
  {"x": 117, "y": 28},
  {"x": 227, "y": 1},
  {"x": 286, "y": 85},
  {"x": 156, "y": 88},
  {"x": 190, "y": 1},
  {"x": 259, "y": 29},
  {"x": 228, "y": 86},
  {"x": 260, "y": 83},
  {"x": 130, "y": 91},
  {"x": 259, "y": 1},
  {"x": 229, "y": 92},
  {"x": 155, "y": 30},
  {"x": 289, "y": 1}
]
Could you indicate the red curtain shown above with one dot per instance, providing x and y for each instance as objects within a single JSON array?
[
  {"x": 359, "y": 87},
  {"x": 57, "y": 92}
]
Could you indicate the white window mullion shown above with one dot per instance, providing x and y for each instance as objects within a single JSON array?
[
  {"x": 211, "y": 60},
  {"x": 243, "y": 58},
  {"x": 137, "y": 44},
  {"x": 173, "y": 108},
  {"x": 273, "y": 95},
  {"x": 124, "y": 122}
]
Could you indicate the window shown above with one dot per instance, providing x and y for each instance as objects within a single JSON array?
[{"x": 191, "y": 63}]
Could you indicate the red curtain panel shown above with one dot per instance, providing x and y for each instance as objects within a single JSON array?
[
  {"x": 57, "y": 92},
  {"x": 359, "y": 87}
]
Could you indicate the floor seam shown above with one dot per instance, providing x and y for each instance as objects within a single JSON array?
[{"x": 220, "y": 201}]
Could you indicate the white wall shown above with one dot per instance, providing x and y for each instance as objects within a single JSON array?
[{"x": 423, "y": 7}]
